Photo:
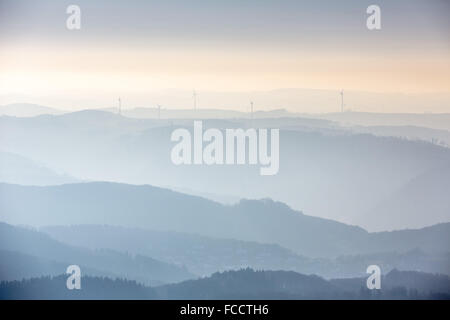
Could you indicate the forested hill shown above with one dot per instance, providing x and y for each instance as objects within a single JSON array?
[{"x": 242, "y": 284}]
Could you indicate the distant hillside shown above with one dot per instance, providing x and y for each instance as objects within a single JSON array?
[
  {"x": 159, "y": 209},
  {"x": 17, "y": 266},
  {"x": 26, "y": 110},
  {"x": 318, "y": 160},
  {"x": 435, "y": 136},
  {"x": 162, "y": 209},
  {"x": 51, "y": 288},
  {"x": 206, "y": 255},
  {"x": 249, "y": 284},
  {"x": 425, "y": 194},
  {"x": 440, "y": 121},
  {"x": 406, "y": 281},
  {"x": 53, "y": 253},
  {"x": 20, "y": 170},
  {"x": 200, "y": 254},
  {"x": 242, "y": 284}
]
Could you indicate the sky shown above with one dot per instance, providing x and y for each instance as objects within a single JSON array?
[{"x": 136, "y": 49}]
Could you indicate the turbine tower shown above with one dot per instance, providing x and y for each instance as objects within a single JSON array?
[
  {"x": 342, "y": 100},
  {"x": 251, "y": 109},
  {"x": 159, "y": 111},
  {"x": 120, "y": 106}
]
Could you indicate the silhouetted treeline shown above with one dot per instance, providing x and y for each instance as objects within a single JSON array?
[
  {"x": 91, "y": 288},
  {"x": 242, "y": 284}
]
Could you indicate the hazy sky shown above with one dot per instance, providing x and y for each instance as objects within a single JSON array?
[{"x": 130, "y": 48}]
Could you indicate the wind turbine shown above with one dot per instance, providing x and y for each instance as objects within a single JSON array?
[
  {"x": 342, "y": 100},
  {"x": 120, "y": 106}
]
